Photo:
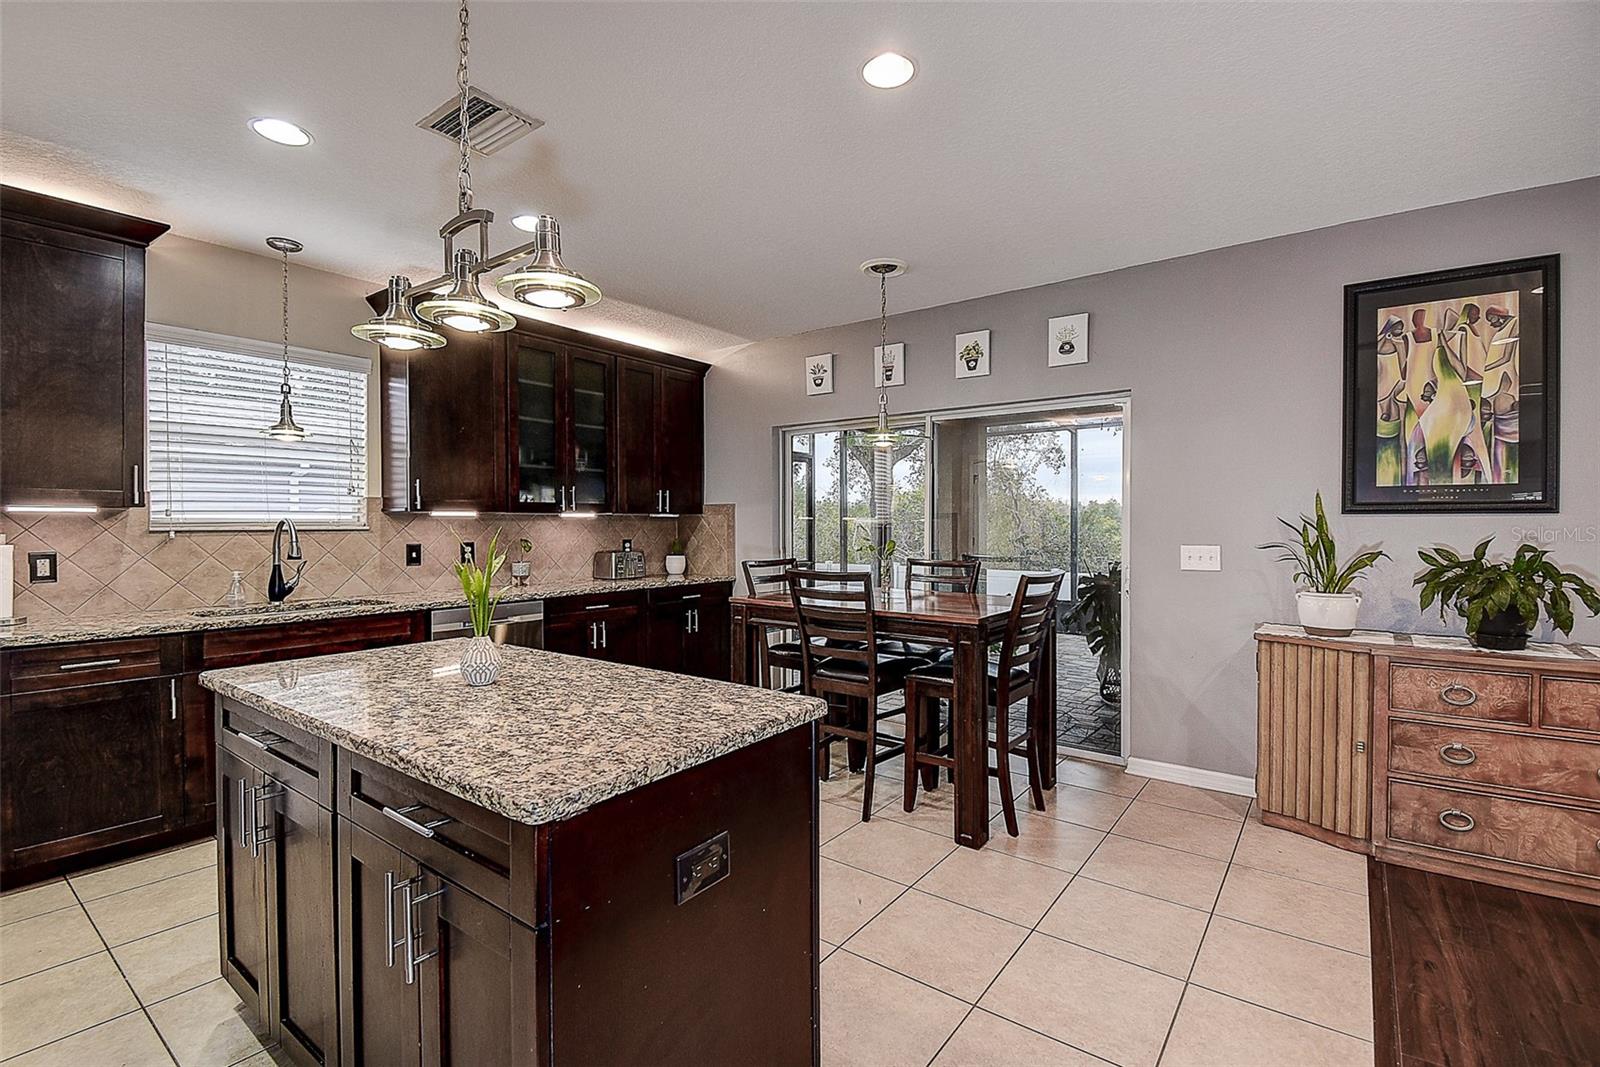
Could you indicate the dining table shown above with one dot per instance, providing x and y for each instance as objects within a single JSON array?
[{"x": 968, "y": 623}]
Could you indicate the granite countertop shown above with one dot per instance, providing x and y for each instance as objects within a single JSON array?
[
  {"x": 555, "y": 734},
  {"x": 147, "y": 623},
  {"x": 1442, "y": 642}
]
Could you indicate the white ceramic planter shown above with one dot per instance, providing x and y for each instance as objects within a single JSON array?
[
  {"x": 1328, "y": 614},
  {"x": 480, "y": 661},
  {"x": 676, "y": 565}
]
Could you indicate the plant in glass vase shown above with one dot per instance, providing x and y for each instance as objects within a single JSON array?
[{"x": 480, "y": 659}]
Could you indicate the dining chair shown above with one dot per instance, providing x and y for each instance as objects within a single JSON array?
[
  {"x": 842, "y": 663},
  {"x": 935, "y": 576},
  {"x": 763, "y": 577},
  {"x": 1014, "y": 676}
]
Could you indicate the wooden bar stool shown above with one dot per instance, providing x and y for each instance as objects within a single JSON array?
[
  {"x": 935, "y": 576},
  {"x": 763, "y": 577},
  {"x": 841, "y": 662},
  {"x": 1014, "y": 677}
]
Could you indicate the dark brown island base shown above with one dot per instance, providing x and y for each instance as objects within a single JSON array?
[{"x": 584, "y": 863}]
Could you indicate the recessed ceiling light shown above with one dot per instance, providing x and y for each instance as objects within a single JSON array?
[
  {"x": 526, "y": 222},
  {"x": 889, "y": 70},
  {"x": 281, "y": 131}
]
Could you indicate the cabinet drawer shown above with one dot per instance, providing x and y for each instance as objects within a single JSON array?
[
  {"x": 1528, "y": 832},
  {"x": 568, "y": 607},
  {"x": 1570, "y": 704},
  {"x": 1436, "y": 690},
  {"x": 1517, "y": 760},
  {"x": 689, "y": 595},
  {"x": 263, "y": 644},
  {"x": 33, "y": 670},
  {"x": 297, "y": 759}
]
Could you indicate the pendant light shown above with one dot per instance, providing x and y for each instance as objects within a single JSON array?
[
  {"x": 285, "y": 429},
  {"x": 882, "y": 438},
  {"x": 455, "y": 298}
]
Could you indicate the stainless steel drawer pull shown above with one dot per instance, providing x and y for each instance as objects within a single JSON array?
[
  {"x": 391, "y": 942},
  {"x": 243, "y": 808},
  {"x": 595, "y": 607},
  {"x": 1469, "y": 698},
  {"x": 1458, "y": 755},
  {"x": 264, "y": 740},
  {"x": 412, "y": 933},
  {"x": 138, "y": 487},
  {"x": 172, "y": 692},
  {"x": 403, "y": 817},
  {"x": 268, "y": 790},
  {"x": 1456, "y": 821},
  {"x": 89, "y": 664}
]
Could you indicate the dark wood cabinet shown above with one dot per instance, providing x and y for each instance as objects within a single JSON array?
[
  {"x": 561, "y": 442},
  {"x": 660, "y": 438},
  {"x": 71, "y": 352},
  {"x": 379, "y": 1010},
  {"x": 241, "y": 884},
  {"x": 610, "y": 627},
  {"x": 689, "y": 631}
]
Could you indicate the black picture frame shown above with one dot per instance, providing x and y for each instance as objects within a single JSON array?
[{"x": 1534, "y": 428}]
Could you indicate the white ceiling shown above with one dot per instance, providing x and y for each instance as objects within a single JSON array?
[{"x": 721, "y": 170}]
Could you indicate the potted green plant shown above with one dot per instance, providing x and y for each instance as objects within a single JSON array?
[
  {"x": 480, "y": 659},
  {"x": 522, "y": 567},
  {"x": 1326, "y": 605},
  {"x": 677, "y": 562},
  {"x": 1501, "y": 599},
  {"x": 1099, "y": 612}
]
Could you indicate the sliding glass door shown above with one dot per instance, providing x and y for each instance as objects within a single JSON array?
[{"x": 845, "y": 500}]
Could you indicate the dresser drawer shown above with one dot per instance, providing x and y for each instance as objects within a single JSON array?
[
  {"x": 34, "y": 670},
  {"x": 1528, "y": 832},
  {"x": 1570, "y": 704},
  {"x": 1487, "y": 757},
  {"x": 1501, "y": 696}
]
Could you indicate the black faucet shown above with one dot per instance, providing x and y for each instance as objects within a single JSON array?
[{"x": 278, "y": 587}]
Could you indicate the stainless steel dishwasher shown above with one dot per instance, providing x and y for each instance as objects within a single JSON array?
[{"x": 516, "y": 622}]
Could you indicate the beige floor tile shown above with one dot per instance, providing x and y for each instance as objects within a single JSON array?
[
  {"x": 985, "y": 1040},
  {"x": 1304, "y": 909},
  {"x": 872, "y": 1017},
  {"x": 206, "y": 1026},
  {"x": 118, "y": 877},
  {"x": 42, "y": 1007},
  {"x": 993, "y": 882},
  {"x": 935, "y": 812},
  {"x": 847, "y": 789},
  {"x": 835, "y": 819},
  {"x": 272, "y": 1057},
  {"x": 890, "y": 849},
  {"x": 850, "y": 897},
  {"x": 1266, "y": 848},
  {"x": 1062, "y": 845},
  {"x": 171, "y": 961},
  {"x": 128, "y": 1041},
  {"x": 1140, "y": 929},
  {"x": 1188, "y": 831},
  {"x": 1086, "y": 807},
  {"x": 1101, "y": 1005},
  {"x": 1191, "y": 798},
  {"x": 22, "y": 904},
  {"x": 135, "y": 913},
  {"x": 952, "y": 948},
  {"x": 1106, "y": 777},
  {"x": 45, "y": 941},
  {"x": 1217, "y": 1031},
  {"x": 1181, "y": 877},
  {"x": 1309, "y": 981}
]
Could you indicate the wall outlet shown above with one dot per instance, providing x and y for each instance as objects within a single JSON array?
[
  {"x": 413, "y": 555},
  {"x": 41, "y": 566},
  {"x": 469, "y": 552},
  {"x": 1199, "y": 557}
]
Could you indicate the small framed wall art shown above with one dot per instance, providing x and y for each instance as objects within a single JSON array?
[
  {"x": 1069, "y": 340},
  {"x": 1450, "y": 390},
  {"x": 972, "y": 354},
  {"x": 891, "y": 364},
  {"x": 819, "y": 374}
]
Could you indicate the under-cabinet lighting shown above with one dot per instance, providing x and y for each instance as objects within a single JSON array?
[
  {"x": 579, "y": 515},
  {"x": 62, "y": 509},
  {"x": 454, "y": 514}
]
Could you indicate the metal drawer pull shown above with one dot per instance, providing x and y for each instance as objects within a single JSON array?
[
  {"x": 243, "y": 808},
  {"x": 89, "y": 664},
  {"x": 270, "y": 789},
  {"x": 1470, "y": 699},
  {"x": 1456, "y": 821},
  {"x": 390, "y": 941},
  {"x": 403, "y": 817},
  {"x": 412, "y": 933},
  {"x": 595, "y": 607},
  {"x": 264, "y": 740},
  {"x": 1466, "y": 758}
]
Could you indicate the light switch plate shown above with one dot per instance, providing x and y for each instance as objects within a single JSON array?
[
  {"x": 413, "y": 554},
  {"x": 1199, "y": 557}
]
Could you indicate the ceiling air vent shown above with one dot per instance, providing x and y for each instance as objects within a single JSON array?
[{"x": 494, "y": 125}]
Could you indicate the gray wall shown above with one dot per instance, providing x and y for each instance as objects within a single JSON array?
[{"x": 1234, "y": 361}]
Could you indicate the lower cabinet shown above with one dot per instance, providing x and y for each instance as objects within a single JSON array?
[
  {"x": 679, "y": 628},
  {"x": 606, "y": 627},
  {"x": 689, "y": 631}
]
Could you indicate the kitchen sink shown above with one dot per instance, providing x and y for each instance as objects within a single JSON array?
[{"x": 288, "y": 607}]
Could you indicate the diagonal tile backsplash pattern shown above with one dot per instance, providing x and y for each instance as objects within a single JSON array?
[{"x": 112, "y": 563}]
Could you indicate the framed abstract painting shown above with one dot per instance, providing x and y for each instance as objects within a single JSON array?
[{"x": 1450, "y": 390}]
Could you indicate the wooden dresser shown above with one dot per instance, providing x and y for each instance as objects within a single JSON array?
[{"x": 1488, "y": 763}]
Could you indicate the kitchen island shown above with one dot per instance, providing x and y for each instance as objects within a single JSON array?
[{"x": 541, "y": 871}]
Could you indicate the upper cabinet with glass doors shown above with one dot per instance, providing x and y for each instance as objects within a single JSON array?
[{"x": 561, "y": 403}]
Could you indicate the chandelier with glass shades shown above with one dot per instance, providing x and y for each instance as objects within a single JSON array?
[{"x": 454, "y": 298}]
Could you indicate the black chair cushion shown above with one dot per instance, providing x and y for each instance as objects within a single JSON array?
[
  {"x": 792, "y": 648},
  {"x": 910, "y": 649},
  {"x": 945, "y": 671},
  {"x": 892, "y": 670}
]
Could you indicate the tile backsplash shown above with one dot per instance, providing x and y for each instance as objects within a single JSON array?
[{"x": 112, "y": 564}]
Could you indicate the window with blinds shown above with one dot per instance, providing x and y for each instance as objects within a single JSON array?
[{"x": 209, "y": 468}]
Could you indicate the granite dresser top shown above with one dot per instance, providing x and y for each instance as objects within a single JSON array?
[
  {"x": 149, "y": 623},
  {"x": 555, "y": 734},
  {"x": 1390, "y": 641}
]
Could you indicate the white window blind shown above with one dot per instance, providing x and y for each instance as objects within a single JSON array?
[{"x": 209, "y": 468}]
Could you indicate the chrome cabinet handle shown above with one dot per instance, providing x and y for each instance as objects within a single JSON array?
[
  {"x": 269, "y": 790},
  {"x": 1458, "y": 702},
  {"x": 138, "y": 486},
  {"x": 264, "y": 740},
  {"x": 1466, "y": 758},
  {"x": 602, "y": 633},
  {"x": 563, "y": 506},
  {"x": 416, "y": 493},
  {"x": 412, "y": 934},
  {"x": 243, "y": 808},
  {"x": 172, "y": 692},
  {"x": 595, "y": 607},
  {"x": 390, "y": 884},
  {"x": 669, "y": 500},
  {"x": 89, "y": 664},
  {"x": 688, "y": 621},
  {"x": 403, "y": 817},
  {"x": 696, "y": 613},
  {"x": 1456, "y": 821}
]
